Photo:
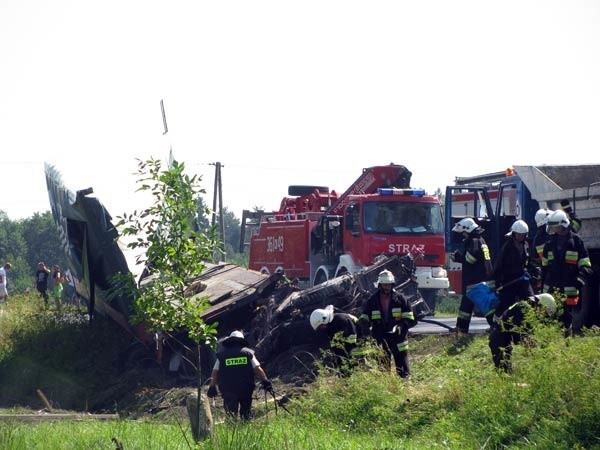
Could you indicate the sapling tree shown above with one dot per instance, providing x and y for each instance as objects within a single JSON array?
[{"x": 173, "y": 251}]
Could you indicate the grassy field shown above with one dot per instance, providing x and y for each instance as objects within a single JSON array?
[{"x": 455, "y": 400}]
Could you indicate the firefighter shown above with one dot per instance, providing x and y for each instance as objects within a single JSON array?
[
  {"x": 566, "y": 266},
  {"x": 541, "y": 233},
  {"x": 476, "y": 267},
  {"x": 514, "y": 268},
  {"x": 339, "y": 330},
  {"x": 233, "y": 373},
  {"x": 389, "y": 317},
  {"x": 539, "y": 240},
  {"x": 514, "y": 326}
]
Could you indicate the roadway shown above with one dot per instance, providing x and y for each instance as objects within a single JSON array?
[{"x": 478, "y": 325}]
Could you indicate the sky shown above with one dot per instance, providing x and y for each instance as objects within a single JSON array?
[{"x": 285, "y": 93}]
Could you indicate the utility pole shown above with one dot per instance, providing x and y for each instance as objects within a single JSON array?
[
  {"x": 166, "y": 131},
  {"x": 218, "y": 194},
  {"x": 164, "y": 117}
]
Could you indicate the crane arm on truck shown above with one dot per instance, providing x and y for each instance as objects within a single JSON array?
[{"x": 370, "y": 180}]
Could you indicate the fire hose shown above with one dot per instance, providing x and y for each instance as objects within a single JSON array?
[{"x": 275, "y": 402}]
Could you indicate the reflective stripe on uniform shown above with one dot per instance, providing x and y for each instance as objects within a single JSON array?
[
  {"x": 463, "y": 314},
  {"x": 402, "y": 346},
  {"x": 470, "y": 258},
  {"x": 540, "y": 250},
  {"x": 408, "y": 315},
  {"x": 571, "y": 291},
  {"x": 486, "y": 252},
  {"x": 571, "y": 257},
  {"x": 584, "y": 262}
]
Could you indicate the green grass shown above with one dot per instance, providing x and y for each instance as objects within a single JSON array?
[
  {"x": 84, "y": 435},
  {"x": 447, "y": 305},
  {"x": 455, "y": 400}
]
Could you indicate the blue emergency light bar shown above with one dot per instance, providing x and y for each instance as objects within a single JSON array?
[{"x": 396, "y": 191}]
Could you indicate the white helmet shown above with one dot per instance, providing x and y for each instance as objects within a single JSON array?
[
  {"x": 547, "y": 301},
  {"x": 321, "y": 316},
  {"x": 467, "y": 224},
  {"x": 519, "y": 226},
  {"x": 541, "y": 216},
  {"x": 237, "y": 334},
  {"x": 386, "y": 277},
  {"x": 558, "y": 218}
]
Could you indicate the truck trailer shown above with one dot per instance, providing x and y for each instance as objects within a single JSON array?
[
  {"x": 317, "y": 235},
  {"x": 495, "y": 200}
]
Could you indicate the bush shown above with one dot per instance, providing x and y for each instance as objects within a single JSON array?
[{"x": 60, "y": 354}]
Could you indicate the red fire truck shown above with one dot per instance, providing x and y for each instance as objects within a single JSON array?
[{"x": 317, "y": 235}]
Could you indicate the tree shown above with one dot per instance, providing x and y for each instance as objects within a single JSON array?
[
  {"x": 175, "y": 252},
  {"x": 203, "y": 215},
  {"x": 232, "y": 227},
  {"x": 43, "y": 241},
  {"x": 13, "y": 249},
  {"x": 439, "y": 194},
  {"x": 26, "y": 242}
]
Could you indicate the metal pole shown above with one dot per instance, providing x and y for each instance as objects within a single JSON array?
[{"x": 221, "y": 218}]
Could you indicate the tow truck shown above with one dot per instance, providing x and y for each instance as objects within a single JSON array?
[{"x": 317, "y": 235}]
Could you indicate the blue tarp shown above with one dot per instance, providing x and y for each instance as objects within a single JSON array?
[{"x": 483, "y": 297}]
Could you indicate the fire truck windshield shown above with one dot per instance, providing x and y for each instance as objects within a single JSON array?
[{"x": 402, "y": 218}]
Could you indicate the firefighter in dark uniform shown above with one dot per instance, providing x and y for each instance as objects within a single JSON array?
[
  {"x": 476, "y": 267},
  {"x": 566, "y": 266},
  {"x": 389, "y": 316},
  {"x": 339, "y": 330},
  {"x": 539, "y": 240},
  {"x": 513, "y": 326},
  {"x": 233, "y": 373},
  {"x": 514, "y": 267}
]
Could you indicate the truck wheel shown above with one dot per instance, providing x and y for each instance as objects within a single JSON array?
[
  {"x": 430, "y": 296},
  {"x": 299, "y": 190},
  {"x": 320, "y": 278}
]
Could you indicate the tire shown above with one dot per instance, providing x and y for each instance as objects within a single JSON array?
[
  {"x": 299, "y": 190},
  {"x": 320, "y": 278},
  {"x": 430, "y": 297}
]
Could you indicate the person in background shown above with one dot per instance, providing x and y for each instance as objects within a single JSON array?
[
  {"x": 387, "y": 315},
  {"x": 69, "y": 286},
  {"x": 513, "y": 268},
  {"x": 575, "y": 221},
  {"x": 514, "y": 326},
  {"x": 476, "y": 267},
  {"x": 566, "y": 267},
  {"x": 4, "y": 281},
  {"x": 41, "y": 280},
  {"x": 58, "y": 279},
  {"x": 233, "y": 373}
]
